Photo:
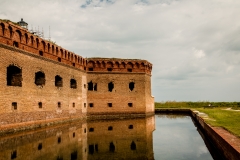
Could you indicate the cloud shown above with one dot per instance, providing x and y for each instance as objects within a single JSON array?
[{"x": 193, "y": 45}]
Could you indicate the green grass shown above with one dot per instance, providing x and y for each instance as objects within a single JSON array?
[
  {"x": 228, "y": 119},
  {"x": 218, "y": 116}
]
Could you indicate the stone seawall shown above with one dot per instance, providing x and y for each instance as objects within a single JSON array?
[{"x": 228, "y": 146}]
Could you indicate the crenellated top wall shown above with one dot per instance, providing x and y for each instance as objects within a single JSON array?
[
  {"x": 118, "y": 65},
  {"x": 14, "y": 35}
]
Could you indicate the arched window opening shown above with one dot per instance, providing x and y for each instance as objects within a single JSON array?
[
  {"x": 73, "y": 83},
  {"x": 110, "y": 86},
  {"x": 37, "y": 41},
  {"x": 57, "y": 51},
  {"x": 10, "y": 31},
  {"x": 122, "y": 65},
  {"x": 2, "y": 29},
  {"x": 26, "y": 38},
  {"x": 68, "y": 56},
  {"x": 40, "y": 78},
  {"x": 75, "y": 58},
  {"x": 32, "y": 40},
  {"x": 137, "y": 65},
  {"x": 92, "y": 86},
  {"x": 14, "y": 76},
  {"x": 61, "y": 51},
  {"x": 19, "y": 36},
  {"x": 48, "y": 48},
  {"x": 133, "y": 146},
  {"x": 103, "y": 64},
  {"x": 117, "y": 64},
  {"x": 43, "y": 46},
  {"x": 131, "y": 86},
  {"x": 111, "y": 147},
  {"x": 52, "y": 49},
  {"x": 58, "y": 81}
]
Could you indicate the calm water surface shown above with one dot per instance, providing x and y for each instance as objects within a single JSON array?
[
  {"x": 160, "y": 137},
  {"x": 176, "y": 138}
]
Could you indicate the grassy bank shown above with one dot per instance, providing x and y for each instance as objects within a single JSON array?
[
  {"x": 174, "y": 104},
  {"x": 218, "y": 115}
]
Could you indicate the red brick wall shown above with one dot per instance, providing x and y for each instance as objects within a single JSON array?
[{"x": 29, "y": 95}]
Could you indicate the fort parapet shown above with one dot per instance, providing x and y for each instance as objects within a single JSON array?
[{"x": 42, "y": 83}]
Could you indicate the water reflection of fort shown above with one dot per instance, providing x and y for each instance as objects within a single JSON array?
[{"x": 118, "y": 139}]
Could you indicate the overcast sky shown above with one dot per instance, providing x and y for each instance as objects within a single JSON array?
[{"x": 194, "y": 45}]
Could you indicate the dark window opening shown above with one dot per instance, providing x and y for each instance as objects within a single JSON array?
[
  {"x": 84, "y": 105},
  {"x": 58, "y": 81},
  {"x": 39, "y": 146},
  {"x": 73, "y": 64},
  {"x": 74, "y": 155},
  {"x": 59, "y": 139},
  {"x": 129, "y": 70},
  {"x": 73, "y": 134},
  {"x": 85, "y": 68},
  {"x": 92, "y": 86},
  {"x": 85, "y": 130},
  {"x": 91, "y": 149},
  {"x": 133, "y": 146},
  {"x": 109, "y": 69},
  {"x": 131, "y": 86},
  {"x": 59, "y": 59},
  {"x": 90, "y": 104},
  {"x": 73, "y": 83},
  {"x": 91, "y": 129},
  {"x": 95, "y": 87},
  {"x": 14, "y": 105},
  {"x": 130, "y": 104},
  {"x": 14, "y": 154},
  {"x": 109, "y": 104},
  {"x": 39, "y": 78},
  {"x": 110, "y": 86},
  {"x": 39, "y": 104},
  {"x": 111, "y": 147},
  {"x": 14, "y": 76},
  {"x": 130, "y": 126},
  {"x": 41, "y": 53},
  {"x": 59, "y": 104},
  {"x": 90, "y": 69},
  {"x": 15, "y": 44},
  {"x": 96, "y": 147},
  {"x": 59, "y": 158},
  {"x": 110, "y": 128},
  {"x": 84, "y": 85},
  {"x": 73, "y": 105}
]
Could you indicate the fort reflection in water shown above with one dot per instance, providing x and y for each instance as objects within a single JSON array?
[
  {"x": 116, "y": 139},
  {"x": 175, "y": 137}
]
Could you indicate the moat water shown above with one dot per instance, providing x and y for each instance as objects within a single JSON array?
[{"x": 160, "y": 137}]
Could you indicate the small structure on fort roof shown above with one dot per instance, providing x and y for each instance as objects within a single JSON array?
[{"x": 23, "y": 24}]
